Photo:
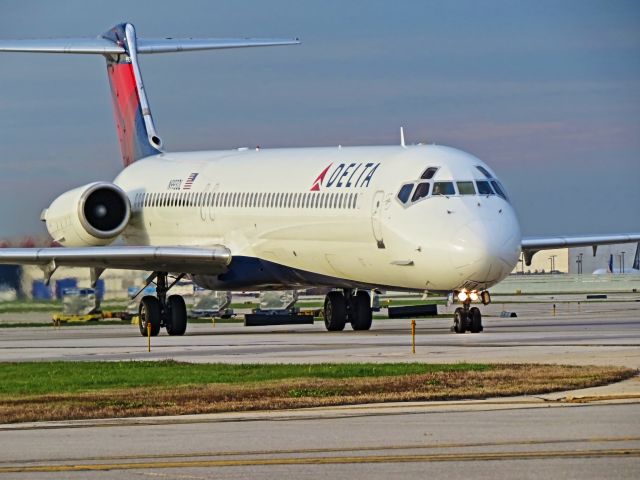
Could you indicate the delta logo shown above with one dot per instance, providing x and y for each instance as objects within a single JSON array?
[{"x": 357, "y": 175}]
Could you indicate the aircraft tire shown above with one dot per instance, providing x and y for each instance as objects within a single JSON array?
[
  {"x": 335, "y": 312},
  {"x": 476, "y": 320},
  {"x": 362, "y": 316},
  {"x": 459, "y": 320},
  {"x": 149, "y": 312},
  {"x": 176, "y": 321}
]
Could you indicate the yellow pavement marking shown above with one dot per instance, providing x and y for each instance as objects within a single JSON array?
[
  {"x": 449, "y": 457},
  {"x": 423, "y": 446}
]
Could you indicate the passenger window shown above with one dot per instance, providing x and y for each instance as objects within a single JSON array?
[
  {"x": 443, "y": 188},
  {"x": 405, "y": 192},
  {"x": 466, "y": 188},
  {"x": 429, "y": 173},
  {"x": 484, "y": 188},
  {"x": 484, "y": 171},
  {"x": 499, "y": 190},
  {"x": 422, "y": 190}
]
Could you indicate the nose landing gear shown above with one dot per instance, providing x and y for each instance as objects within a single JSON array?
[{"x": 468, "y": 318}]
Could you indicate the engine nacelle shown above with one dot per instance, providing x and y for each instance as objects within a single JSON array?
[{"x": 91, "y": 215}]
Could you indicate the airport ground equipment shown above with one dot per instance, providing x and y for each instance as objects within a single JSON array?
[
  {"x": 411, "y": 311},
  {"x": 83, "y": 305},
  {"x": 211, "y": 304},
  {"x": 277, "y": 308},
  {"x": 78, "y": 305}
]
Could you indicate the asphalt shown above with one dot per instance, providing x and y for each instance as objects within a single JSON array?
[
  {"x": 596, "y": 333},
  {"x": 590, "y": 433}
]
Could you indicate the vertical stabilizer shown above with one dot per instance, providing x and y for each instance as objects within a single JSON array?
[{"x": 136, "y": 131}]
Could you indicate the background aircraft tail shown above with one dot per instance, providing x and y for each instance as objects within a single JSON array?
[{"x": 120, "y": 45}]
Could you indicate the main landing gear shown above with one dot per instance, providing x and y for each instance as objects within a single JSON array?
[
  {"x": 162, "y": 311},
  {"x": 345, "y": 307},
  {"x": 468, "y": 318}
]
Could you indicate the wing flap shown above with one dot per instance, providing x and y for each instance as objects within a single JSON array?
[{"x": 163, "y": 259}]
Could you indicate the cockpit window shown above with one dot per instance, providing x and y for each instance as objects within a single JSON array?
[
  {"x": 443, "y": 188},
  {"x": 499, "y": 190},
  {"x": 484, "y": 171},
  {"x": 484, "y": 188},
  {"x": 405, "y": 192},
  {"x": 466, "y": 188},
  {"x": 422, "y": 190},
  {"x": 429, "y": 173}
]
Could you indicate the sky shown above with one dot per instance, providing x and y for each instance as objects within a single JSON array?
[{"x": 546, "y": 92}]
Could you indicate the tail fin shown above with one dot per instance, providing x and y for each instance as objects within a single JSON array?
[{"x": 136, "y": 130}]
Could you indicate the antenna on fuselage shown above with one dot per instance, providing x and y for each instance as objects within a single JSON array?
[{"x": 402, "y": 137}]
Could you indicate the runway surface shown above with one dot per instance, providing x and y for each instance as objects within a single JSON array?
[
  {"x": 592, "y": 433},
  {"x": 598, "y": 333}
]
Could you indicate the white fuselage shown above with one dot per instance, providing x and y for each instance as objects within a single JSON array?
[{"x": 276, "y": 206}]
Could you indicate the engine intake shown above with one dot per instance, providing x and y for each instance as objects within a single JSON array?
[
  {"x": 93, "y": 214},
  {"x": 105, "y": 210}
]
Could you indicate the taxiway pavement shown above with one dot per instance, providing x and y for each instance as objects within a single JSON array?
[{"x": 596, "y": 333}]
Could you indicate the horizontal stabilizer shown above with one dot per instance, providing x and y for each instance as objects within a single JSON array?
[{"x": 104, "y": 46}]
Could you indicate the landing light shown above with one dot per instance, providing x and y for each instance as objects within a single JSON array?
[{"x": 466, "y": 296}]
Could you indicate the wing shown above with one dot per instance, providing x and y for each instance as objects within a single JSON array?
[
  {"x": 210, "y": 261},
  {"x": 532, "y": 245}
]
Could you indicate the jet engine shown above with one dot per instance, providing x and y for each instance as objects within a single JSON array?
[{"x": 91, "y": 215}]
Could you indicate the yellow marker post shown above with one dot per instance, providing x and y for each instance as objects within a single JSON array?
[
  {"x": 413, "y": 337},
  {"x": 148, "y": 336}
]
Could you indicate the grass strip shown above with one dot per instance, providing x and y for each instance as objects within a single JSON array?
[
  {"x": 34, "y": 378},
  {"x": 61, "y": 391}
]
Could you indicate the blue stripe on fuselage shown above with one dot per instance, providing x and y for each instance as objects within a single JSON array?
[{"x": 250, "y": 273}]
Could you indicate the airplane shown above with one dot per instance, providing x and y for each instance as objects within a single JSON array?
[{"x": 420, "y": 218}]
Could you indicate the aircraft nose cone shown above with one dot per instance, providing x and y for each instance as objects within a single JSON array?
[{"x": 485, "y": 251}]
